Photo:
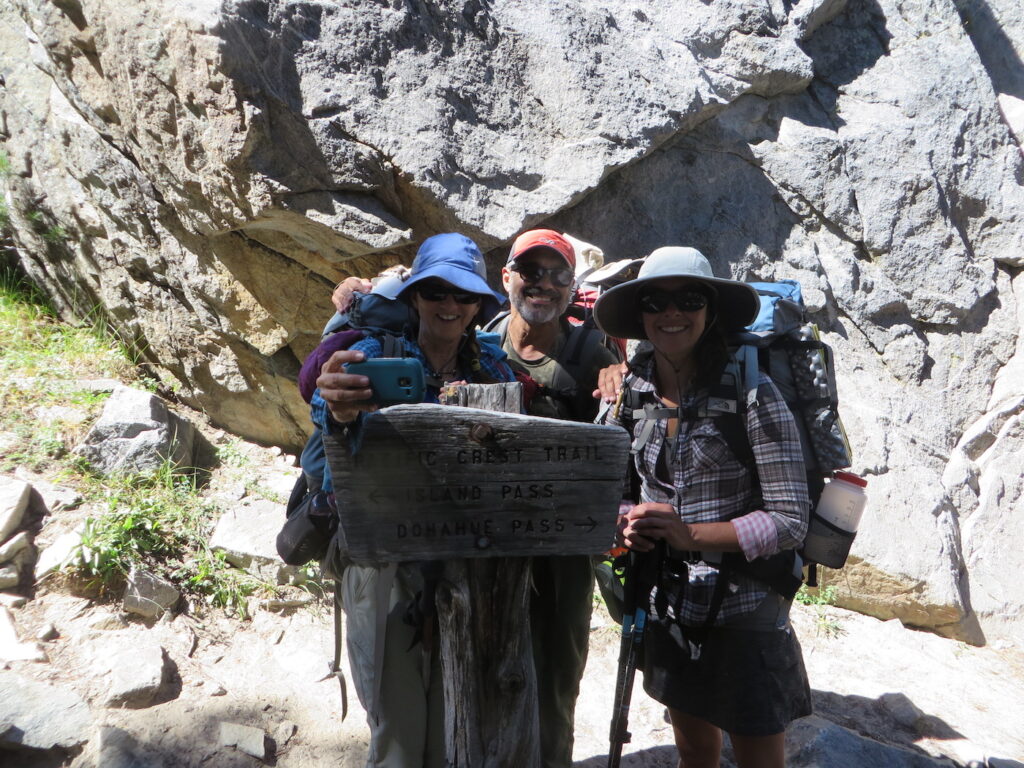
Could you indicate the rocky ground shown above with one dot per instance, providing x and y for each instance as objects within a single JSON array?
[{"x": 87, "y": 684}]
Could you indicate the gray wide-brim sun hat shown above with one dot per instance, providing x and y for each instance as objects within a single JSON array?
[{"x": 618, "y": 314}]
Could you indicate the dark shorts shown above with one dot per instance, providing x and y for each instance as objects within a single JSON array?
[{"x": 746, "y": 681}]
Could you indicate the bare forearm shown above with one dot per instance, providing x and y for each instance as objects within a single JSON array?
[{"x": 713, "y": 537}]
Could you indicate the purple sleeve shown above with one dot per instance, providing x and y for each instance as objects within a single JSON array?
[{"x": 311, "y": 368}]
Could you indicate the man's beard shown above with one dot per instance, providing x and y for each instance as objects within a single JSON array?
[{"x": 539, "y": 315}]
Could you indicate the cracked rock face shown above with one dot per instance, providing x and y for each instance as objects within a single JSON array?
[{"x": 203, "y": 173}]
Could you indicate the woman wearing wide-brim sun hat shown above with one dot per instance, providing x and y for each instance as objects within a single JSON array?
[{"x": 736, "y": 667}]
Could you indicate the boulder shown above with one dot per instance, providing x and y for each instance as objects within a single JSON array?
[
  {"x": 55, "y": 497},
  {"x": 131, "y": 670},
  {"x": 10, "y": 575},
  {"x": 252, "y": 741},
  {"x": 137, "y": 433},
  {"x": 11, "y": 647},
  {"x": 10, "y": 548},
  {"x": 14, "y": 498},
  {"x": 41, "y": 716},
  {"x": 247, "y": 534},
  {"x": 58, "y": 554},
  {"x": 149, "y": 596},
  {"x": 816, "y": 743}
]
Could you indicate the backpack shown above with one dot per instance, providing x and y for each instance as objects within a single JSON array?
[{"x": 787, "y": 347}]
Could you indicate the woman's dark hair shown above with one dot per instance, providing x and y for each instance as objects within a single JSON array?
[{"x": 712, "y": 353}]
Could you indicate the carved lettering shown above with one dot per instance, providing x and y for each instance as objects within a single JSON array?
[
  {"x": 543, "y": 525},
  {"x": 430, "y": 494},
  {"x": 576, "y": 453},
  {"x": 527, "y": 491},
  {"x": 446, "y": 529},
  {"x": 489, "y": 456}
]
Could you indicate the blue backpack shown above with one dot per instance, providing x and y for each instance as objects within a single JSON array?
[{"x": 785, "y": 345}]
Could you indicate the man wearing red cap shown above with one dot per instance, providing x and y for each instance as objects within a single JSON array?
[{"x": 564, "y": 360}]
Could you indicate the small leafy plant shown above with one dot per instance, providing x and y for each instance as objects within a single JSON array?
[
  {"x": 825, "y": 595},
  {"x": 820, "y": 598}
]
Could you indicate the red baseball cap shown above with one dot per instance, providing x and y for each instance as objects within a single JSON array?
[{"x": 543, "y": 238}]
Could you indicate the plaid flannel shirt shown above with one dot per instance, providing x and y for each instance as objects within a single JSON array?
[
  {"x": 492, "y": 362},
  {"x": 709, "y": 484}
]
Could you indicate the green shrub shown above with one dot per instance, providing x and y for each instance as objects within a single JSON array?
[{"x": 160, "y": 521}]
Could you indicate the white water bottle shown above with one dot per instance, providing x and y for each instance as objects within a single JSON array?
[{"x": 834, "y": 523}]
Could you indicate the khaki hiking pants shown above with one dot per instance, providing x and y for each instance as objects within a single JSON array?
[{"x": 400, "y": 687}]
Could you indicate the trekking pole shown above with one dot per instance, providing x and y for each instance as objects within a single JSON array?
[{"x": 641, "y": 571}]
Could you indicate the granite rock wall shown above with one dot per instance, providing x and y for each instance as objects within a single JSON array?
[{"x": 202, "y": 173}]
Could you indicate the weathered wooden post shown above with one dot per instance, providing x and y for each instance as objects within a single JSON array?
[{"x": 483, "y": 491}]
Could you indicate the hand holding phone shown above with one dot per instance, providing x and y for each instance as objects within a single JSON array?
[{"x": 394, "y": 380}]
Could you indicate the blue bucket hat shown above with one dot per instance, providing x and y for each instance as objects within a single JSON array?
[{"x": 455, "y": 259}]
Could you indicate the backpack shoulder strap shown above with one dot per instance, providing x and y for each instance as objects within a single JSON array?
[
  {"x": 576, "y": 347},
  {"x": 625, "y": 407},
  {"x": 497, "y": 324},
  {"x": 390, "y": 343}
]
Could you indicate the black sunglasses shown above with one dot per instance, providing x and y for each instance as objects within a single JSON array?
[
  {"x": 437, "y": 293},
  {"x": 534, "y": 273},
  {"x": 684, "y": 299}
]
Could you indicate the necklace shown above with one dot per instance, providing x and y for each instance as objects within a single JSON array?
[
  {"x": 448, "y": 369},
  {"x": 683, "y": 383}
]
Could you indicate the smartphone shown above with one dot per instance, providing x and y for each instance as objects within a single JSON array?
[{"x": 394, "y": 380}]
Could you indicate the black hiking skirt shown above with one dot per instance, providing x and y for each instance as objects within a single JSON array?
[{"x": 750, "y": 682}]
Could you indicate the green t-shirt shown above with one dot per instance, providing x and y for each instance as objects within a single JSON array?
[{"x": 563, "y": 396}]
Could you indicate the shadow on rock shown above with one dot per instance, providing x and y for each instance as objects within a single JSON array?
[
  {"x": 892, "y": 718},
  {"x": 227, "y": 737},
  {"x": 23, "y": 757},
  {"x": 655, "y": 757}
]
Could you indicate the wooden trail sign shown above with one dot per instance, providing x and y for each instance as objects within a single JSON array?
[{"x": 434, "y": 482}]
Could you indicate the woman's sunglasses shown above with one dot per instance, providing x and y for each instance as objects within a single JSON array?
[
  {"x": 433, "y": 293},
  {"x": 684, "y": 299},
  {"x": 534, "y": 273}
]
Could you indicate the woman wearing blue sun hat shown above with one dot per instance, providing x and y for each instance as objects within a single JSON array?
[
  {"x": 397, "y": 677},
  {"x": 719, "y": 651}
]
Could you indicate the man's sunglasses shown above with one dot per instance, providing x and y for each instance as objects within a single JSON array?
[
  {"x": 433, "y": 293},
  {"x": 684, "y": 299},
  {"x": 534, "y": 273}
]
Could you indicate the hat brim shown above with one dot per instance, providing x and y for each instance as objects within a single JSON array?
[
  {"x": 617, "y": 313},
  {"x": 464, "y": 280}
]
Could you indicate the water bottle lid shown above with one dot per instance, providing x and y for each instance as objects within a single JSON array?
[{"x": 849, "y": 477}]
